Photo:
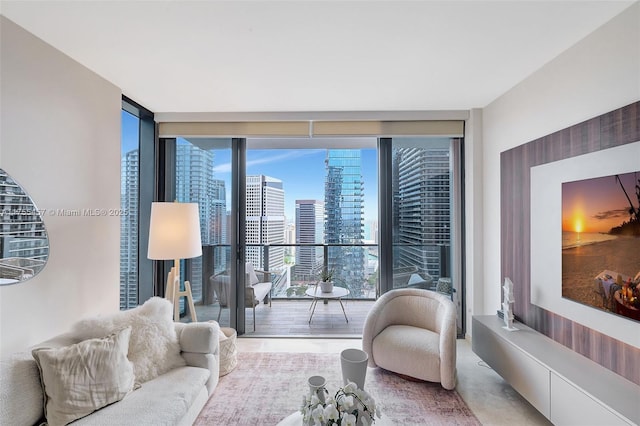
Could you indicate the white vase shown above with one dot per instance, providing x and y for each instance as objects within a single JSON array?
[
  {"x": 326, "y": 286},
  {"x": 354, "y": 366}
]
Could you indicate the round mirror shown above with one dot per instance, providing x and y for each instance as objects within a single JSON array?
[{"x": 24, "y": 245}]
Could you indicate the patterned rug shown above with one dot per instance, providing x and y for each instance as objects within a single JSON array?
[{"x": 267, "y": 387}]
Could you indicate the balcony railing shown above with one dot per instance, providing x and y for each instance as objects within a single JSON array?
[{"x": 354, "y": 266}]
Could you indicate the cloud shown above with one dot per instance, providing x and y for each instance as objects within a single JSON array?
[
  {"x": 612, "y": 214},
  {"x": 286, "y": 155}
]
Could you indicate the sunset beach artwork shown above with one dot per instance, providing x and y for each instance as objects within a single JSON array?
[{"x": 601, "y": 242}]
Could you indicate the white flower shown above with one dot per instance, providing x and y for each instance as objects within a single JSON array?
[
  {"x": 349, "y": 420},
  {"x": 318, "y": 414},
  {"x": 348, "y": 402},
  {"x": 331, "y": 412},
  {"x": 350, "y": 388}
]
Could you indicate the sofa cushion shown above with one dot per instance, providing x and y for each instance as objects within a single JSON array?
[
  {"x": 84, "y": 377},
  {"x": 153, "y": 348},
  {"x": 161, "y": 401},
  {"x": 20, "y": 391}
]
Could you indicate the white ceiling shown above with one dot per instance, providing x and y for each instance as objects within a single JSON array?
[{"x": 258, "y": 56}]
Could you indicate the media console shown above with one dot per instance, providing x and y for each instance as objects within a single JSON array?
[{"x": 568, "y": 388}]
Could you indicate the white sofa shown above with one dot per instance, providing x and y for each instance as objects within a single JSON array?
[{"x": 175, "y": 397}]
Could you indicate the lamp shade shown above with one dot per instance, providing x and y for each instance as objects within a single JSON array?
[{"x": 174, "y": 231}]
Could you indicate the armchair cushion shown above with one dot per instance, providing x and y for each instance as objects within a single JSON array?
[
  {"x": 409, "y": 344},
  {"x": 252, "y": 277},
  {"x": 153, "y": 347}
]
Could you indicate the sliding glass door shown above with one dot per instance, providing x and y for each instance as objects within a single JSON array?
[
  {"x": 425, "y": 215},
  {"x": 377, "y": 213},
  {"x": 203, "y": 175}
]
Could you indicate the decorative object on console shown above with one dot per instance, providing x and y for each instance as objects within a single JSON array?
[
  {"x": 174, "y": 234},
  {"x": 507, "y": 305},
  {"x": 24, "y": 238}
]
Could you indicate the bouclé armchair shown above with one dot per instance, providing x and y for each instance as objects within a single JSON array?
[{"x": 413, "y": 332}]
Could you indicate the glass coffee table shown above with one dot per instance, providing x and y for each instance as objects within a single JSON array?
[{"x": 337, "y": 293}]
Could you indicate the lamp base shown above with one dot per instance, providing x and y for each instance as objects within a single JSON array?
[{"x": 174, "y": 294}]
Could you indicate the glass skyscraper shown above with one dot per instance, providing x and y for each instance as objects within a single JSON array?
[
  {"x": 195, "y": 183},
  {"x": 344, "y": 217},
  {"x": 422, "y": 208},
  {"x": 129, "y": 198}
]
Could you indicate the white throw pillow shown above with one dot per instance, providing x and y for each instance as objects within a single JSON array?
[
  {"x": 82, "y": 378},
  {"x": 153, "y": 347}
]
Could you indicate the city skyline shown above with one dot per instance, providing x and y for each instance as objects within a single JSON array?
[{"x": 288, "y": 165}]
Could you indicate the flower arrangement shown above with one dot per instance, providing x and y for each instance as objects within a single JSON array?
[{"x": 350, "y": 406}]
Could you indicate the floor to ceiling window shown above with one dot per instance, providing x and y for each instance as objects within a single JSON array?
[
  {"x": 312, "y": 209},
  {"x": 129, "y": 201},
  {"x": 426, "y": 201},
  {"x": 377, "y": 213},
  {"x": 137, "y": 169},
  {"x": 202, "y": 175}
]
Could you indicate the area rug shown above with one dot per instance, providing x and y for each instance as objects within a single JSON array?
[{"x": 267, "y": 387}]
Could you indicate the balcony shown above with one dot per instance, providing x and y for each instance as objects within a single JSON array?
[
  {"x": 290, "y": 312},
  {"x": 290, "y": 309}
]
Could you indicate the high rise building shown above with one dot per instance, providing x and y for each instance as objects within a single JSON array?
[
  {"x": 289, "y": 238},
  {"x": 129, "y": 196},
  {"x": 24, "y": 246},
  {"x": 195, "y": 183},
  {"x": 309, "y": 230},
  {"x": 265, "y": 222},
  {"x": 422, "y": 208},
  {"x": 218, "y": 227},
  {"x": 344, "y": 217}
]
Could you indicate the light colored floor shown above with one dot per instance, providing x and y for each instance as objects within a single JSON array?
[
  {"x": 287, "y": 318},
  {"x": 490, "y": 398}
]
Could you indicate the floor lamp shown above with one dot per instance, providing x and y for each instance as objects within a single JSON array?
[{"x": 174, "y": 234}]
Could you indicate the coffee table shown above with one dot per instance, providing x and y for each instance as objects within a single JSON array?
[
  {"x": 295, "y": 419},
  {"x": 337, "y": 293}
]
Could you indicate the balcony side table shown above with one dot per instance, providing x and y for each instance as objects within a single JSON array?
[{"x": 337, "y": 293}]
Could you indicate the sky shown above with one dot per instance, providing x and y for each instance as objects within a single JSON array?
[
  {"x": 599, "y": 204},
  {"x": 302, "y": 171}
]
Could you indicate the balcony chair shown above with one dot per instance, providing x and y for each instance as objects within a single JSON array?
[
  {"x": 258, "y": 288},
  {"x": 412, "y": 332}
]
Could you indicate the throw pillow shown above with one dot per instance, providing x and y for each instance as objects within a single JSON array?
[
  {"x": 82, "y": 378},
  {"x": 153, "y": 348}
]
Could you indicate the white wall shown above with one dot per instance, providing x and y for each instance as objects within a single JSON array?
[
  {"x": 60, "y": 139},
  {"x": 599, "y": 74}
]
